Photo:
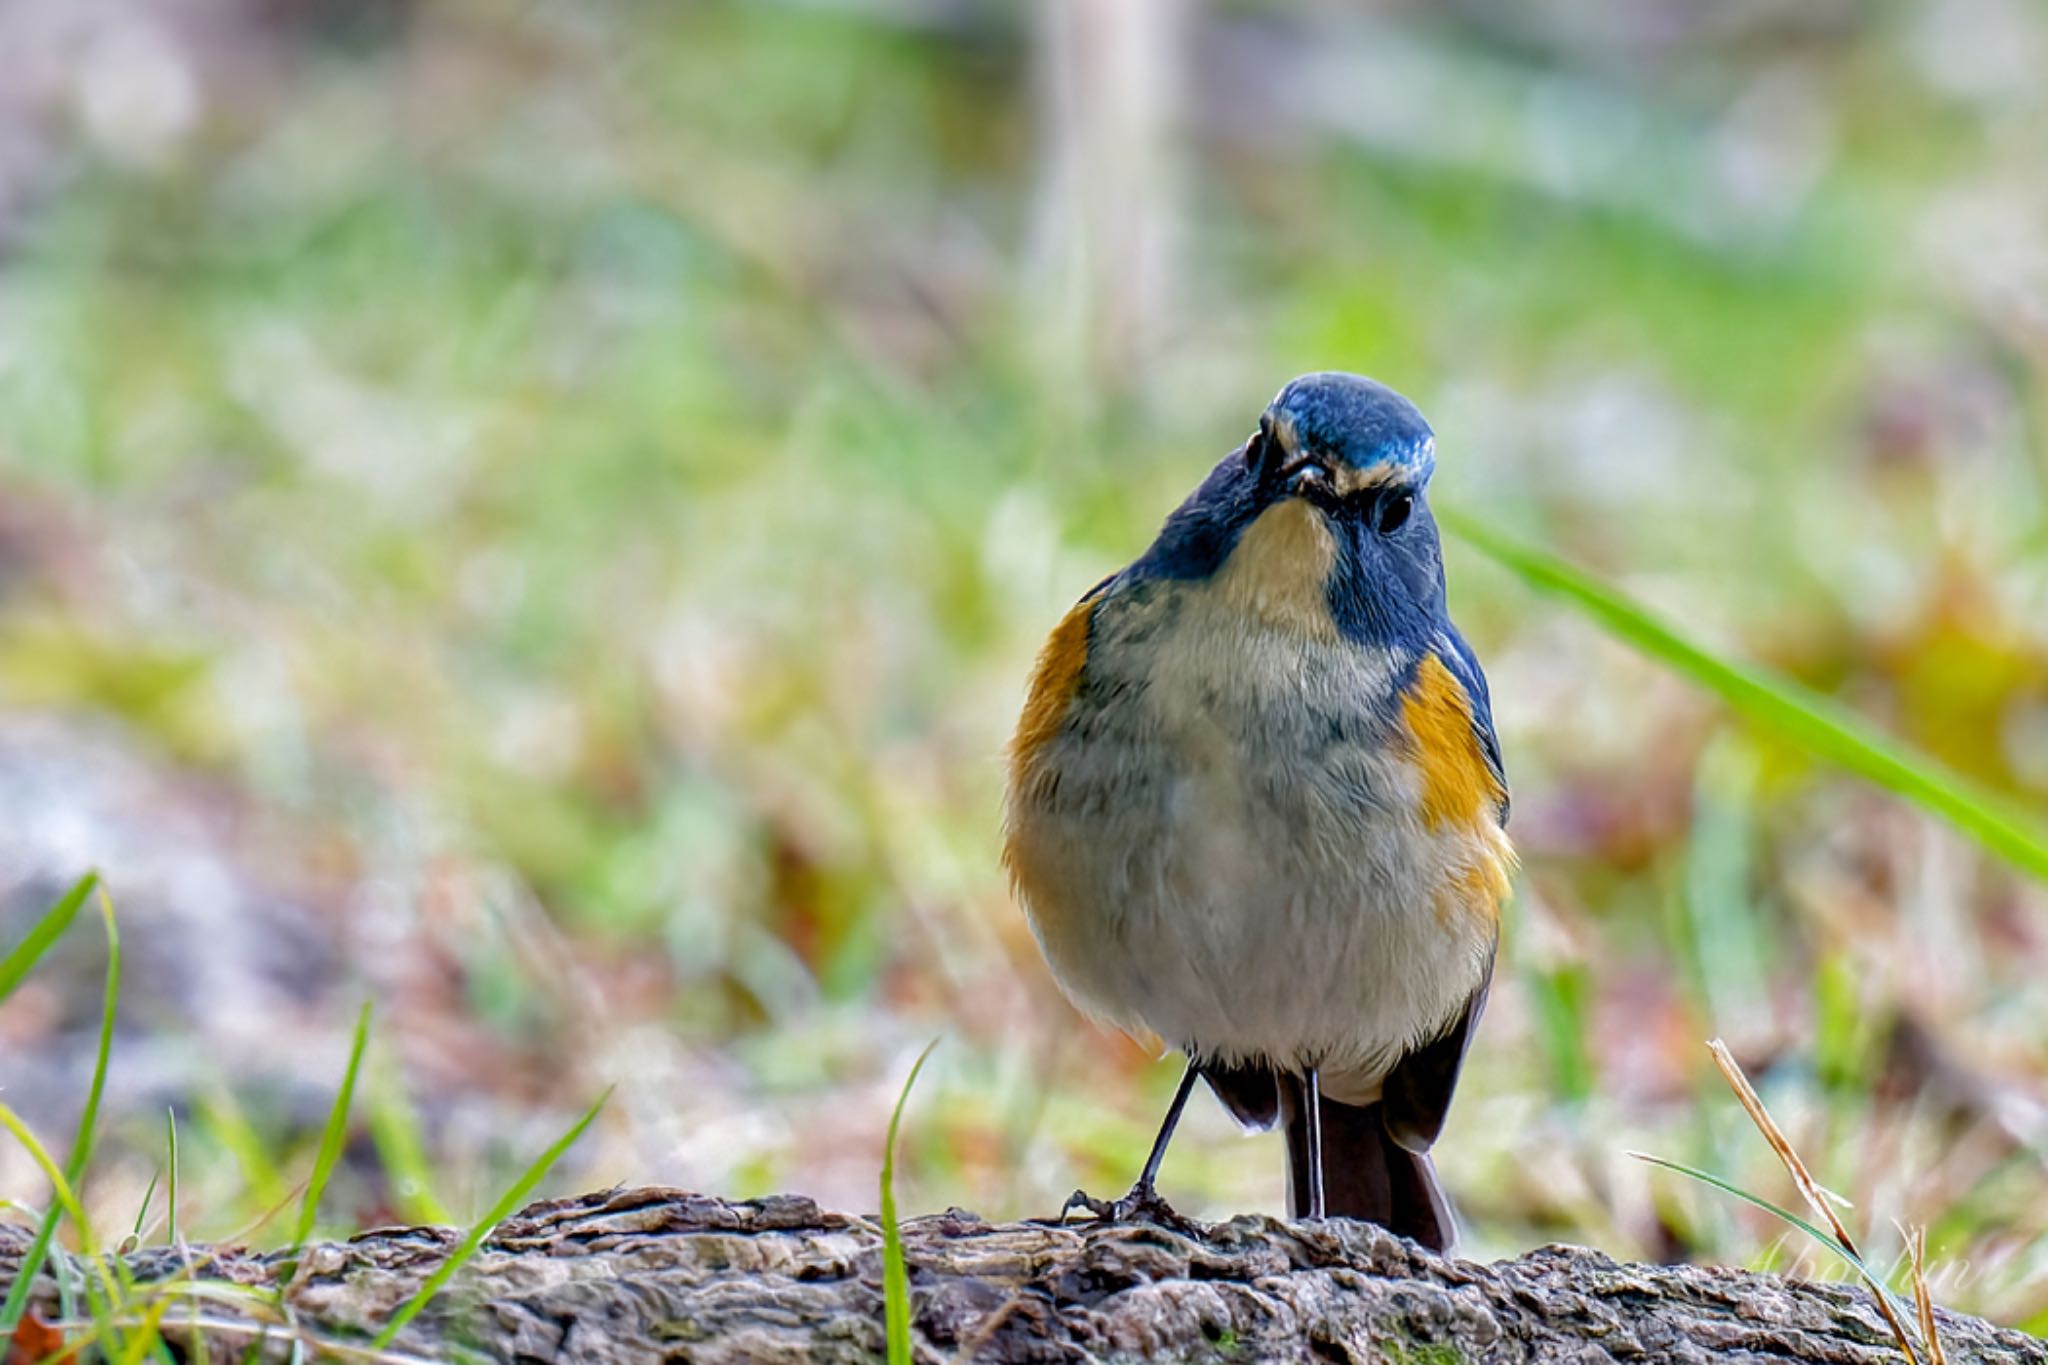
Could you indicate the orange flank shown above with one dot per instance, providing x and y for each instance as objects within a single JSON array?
[
  {"x": 1457, "y": 785},
  {"x": 1481, "y": 888},
  {"x": 1054, "y": 679},
  {"x": 1459, "y": 792}
]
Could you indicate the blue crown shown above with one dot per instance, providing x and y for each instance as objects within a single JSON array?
[{"x": 1349, "y": 420}]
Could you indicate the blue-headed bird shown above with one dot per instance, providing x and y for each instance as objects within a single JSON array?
[{"x": 1256, "y": 806}]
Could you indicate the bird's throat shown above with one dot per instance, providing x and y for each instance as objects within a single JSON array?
[{"x": 1280, "y": 568}]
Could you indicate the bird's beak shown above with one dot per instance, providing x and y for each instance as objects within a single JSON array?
[
  {"x": 1305, "y": 478},
  {"x": 1268, "y": 455}
]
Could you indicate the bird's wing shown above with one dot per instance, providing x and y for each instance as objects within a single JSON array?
[
  {"x": 1055, "y": 678},
  {"x": 1250, "y": 1091},
  {"x": 1464, "y": 666},
  {"x": 1416, "y": 1094}
]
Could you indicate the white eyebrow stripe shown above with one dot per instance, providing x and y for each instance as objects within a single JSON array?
[
  {"x": 1379, "y": 475},
  {"x": 1409, "y": 464},
  {"x": 1283, "y": 432}
]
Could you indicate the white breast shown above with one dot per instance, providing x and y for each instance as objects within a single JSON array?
[{"x": 1224, "y": 847}]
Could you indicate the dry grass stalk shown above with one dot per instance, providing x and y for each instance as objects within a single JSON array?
[
  {"x": 1923, "y": 1297},
  {"x": 1821, "y": 1202}
]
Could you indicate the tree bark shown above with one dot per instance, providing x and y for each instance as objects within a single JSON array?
[{"x": 664, "y": 1275}]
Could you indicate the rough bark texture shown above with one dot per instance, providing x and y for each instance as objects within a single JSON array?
[{"x": 664, "y": 1275}]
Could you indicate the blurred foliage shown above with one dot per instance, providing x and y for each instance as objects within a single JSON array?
[{"x": 546, "y": 511}]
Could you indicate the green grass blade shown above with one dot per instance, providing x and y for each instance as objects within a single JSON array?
[
  {"x": 70, "y": 1284},
  {"x": 508, "y": 1203},
  {"x": 331, "y": 1140},
  {"x": 65, "y": 1200},
  {"x": 395, "y": 1128},
  {"x": 224, "y": 1123},
  {"x": 1564, "y": 1021},
  {"x": 1799, "y": 714},
  {"x": 148, "y": 1337},
  {"x": 895, "y": 1274},
  {"x": 88, "y": 1121},
  {"x": 142, "y": 1209},
  {"x": 171, "y": 1184},
  {"x": 63, "y": 1196},
  {"x": 22, "y": 958},
  {"x": 173, "y": 1237},
  {"x": 1813, "y": 1230}
]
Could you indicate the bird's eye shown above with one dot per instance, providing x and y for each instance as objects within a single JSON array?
[
  {"x": 1394, "y": 512},
  {"x": 1255, "y": 450}
]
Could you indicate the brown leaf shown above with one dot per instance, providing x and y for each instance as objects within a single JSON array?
[{"x": 36, "y": 1342}]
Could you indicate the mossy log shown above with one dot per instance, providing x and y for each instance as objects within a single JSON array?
[{"x": 663, "y": 1275}]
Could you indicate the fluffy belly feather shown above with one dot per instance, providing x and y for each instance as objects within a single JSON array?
[{"x": 1223, "y": 843}]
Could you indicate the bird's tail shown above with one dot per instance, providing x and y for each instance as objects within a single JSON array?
[{"x": 1366, "y": 1174}]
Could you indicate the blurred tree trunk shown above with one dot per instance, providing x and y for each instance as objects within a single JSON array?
[
  {"x": 1109, "y": 79},
  {"x": 656, "y": 1274}
]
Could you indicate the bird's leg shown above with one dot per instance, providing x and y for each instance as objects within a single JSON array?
[
  {"x": 1313, "y": 1091},
  {"x": 1143, "y": 1203}
]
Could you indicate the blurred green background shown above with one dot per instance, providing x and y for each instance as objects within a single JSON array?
[{"x": 539, "y": 515}]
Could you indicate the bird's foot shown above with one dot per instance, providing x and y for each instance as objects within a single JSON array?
[{"x": 1142, "y": 1205}]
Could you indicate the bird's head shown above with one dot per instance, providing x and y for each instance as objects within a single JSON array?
[
  {"x": 1350, "y": 446},
  {"x": 1321, "y": 517}
]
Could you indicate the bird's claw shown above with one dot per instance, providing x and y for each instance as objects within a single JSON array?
[{"x": 1142, "y": 1205}]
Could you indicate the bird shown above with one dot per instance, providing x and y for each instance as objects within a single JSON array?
[{"x": 1256, "y": 810}]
